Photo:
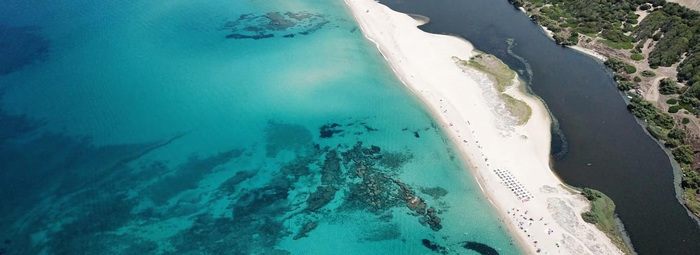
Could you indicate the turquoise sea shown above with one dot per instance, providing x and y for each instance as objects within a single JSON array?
[{"x": 220, "y": 127}]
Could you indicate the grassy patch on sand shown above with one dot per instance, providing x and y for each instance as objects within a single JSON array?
[
  {"x": 503, "y": 78},
  {"x": 691, "y": 200},
  {"x": 518, "y": 108},
  {"x": 495, "y": 68},
  {"x": 602, "y": 215},
  {"x": 617, "y": 46}
]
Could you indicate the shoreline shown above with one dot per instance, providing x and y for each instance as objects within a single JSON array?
[
  {"x": 423, "y": 62},
  {"x": 580, "y": 49}
]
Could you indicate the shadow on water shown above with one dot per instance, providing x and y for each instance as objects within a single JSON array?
[
  {"x": 481, "y": 248},
  {"x": 21, "y": 46},
  {"x": 601, "y": 145}
]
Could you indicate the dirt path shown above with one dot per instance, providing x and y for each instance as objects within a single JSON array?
[{"x": 652, "y": 94}]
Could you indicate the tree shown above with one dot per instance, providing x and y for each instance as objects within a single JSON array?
[
  {"x": 590, "y": 194},
  {"x": 590, "y": 217},
  {"x": 668, "y": 86},
  {"x": 683, "y": 154}
]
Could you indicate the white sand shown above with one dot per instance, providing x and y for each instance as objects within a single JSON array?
[
  {"x": 468, "y": 107},
  {"x": 589, "y": 52}
]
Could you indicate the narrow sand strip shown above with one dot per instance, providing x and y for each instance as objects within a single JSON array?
[{"x": 501, "y": 154}]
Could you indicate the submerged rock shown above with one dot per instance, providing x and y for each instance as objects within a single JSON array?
[
  {"x": 229, "y": 186},
  {"x": 330, "y": 129},
  {"x": 303, "y": 232},
  {"x": 254, "y": 37},
  {"x": 432, "y": 220},
  {"x": 433, "y": 246},
  {"x": 271, "y": 24},
  {"x": 330, "y": 170},
  {"x": 320, "y": 198}
]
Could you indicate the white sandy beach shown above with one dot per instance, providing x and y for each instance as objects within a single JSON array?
[{"x": 467, "y": 106}]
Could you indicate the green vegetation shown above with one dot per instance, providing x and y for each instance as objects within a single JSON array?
[
  {"x": 668, "y": 87},
  {"x": 616, "y": 45},
  {"x": 674, "y": 28},
  {"x": 637, "y": 57},
  {"x": 626, "y": 85},
  {"x": 672, "y": 101},
  {"x": 648, "y": 112},
  {"x": 675, "y": 138},
  {"x": 674, "y": 109},
  {"x": 602, "y": 215},
  {"x": 692, "y": 200},
  {"x": 677, "y": 35},
  {"x": 499, "y": 71},
  {"x": 674, "y": 32},
  {"x": 519, "y": 109},
  {"x": 647, "y": 73},
  {"x": 686, "y": 121},
  {"x": 617, "y": 66},
  {"x": 503, "y": 77}
]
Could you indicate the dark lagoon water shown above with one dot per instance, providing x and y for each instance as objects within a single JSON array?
[{"x": 603, "y": 147}]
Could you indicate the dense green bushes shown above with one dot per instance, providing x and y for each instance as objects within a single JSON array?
[
  {"x": 647, "y": 73},
  {"x": 683, "y": 154},
  {"x": 674, "y": 109},
  {"x": 675, "y": 29},
  {"x": 668, "y": 86},
  {"x": 617, "y": 66},
  {"x": 637, "y": 57},
  {"x": 679, "y": 34},
  {"x": 626, "y": 85},
  {"x": 675, "y": 138},
  {"x": 648, "y": 112}
]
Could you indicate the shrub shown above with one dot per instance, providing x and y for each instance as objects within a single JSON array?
[
  {"x": 590, "y": 194},
  {"x": 630, "y": 69},
  {"x": 683, "y": 154},
  {"x": 626, "y": 85},
  {"x": 686, "y": 121},
  {"x": 637, "y": 79},
  {"x": 687, "y": 107},
  {"x": 647, "y": 73},
  {"x": 674, "y": 109},
  {"x": 637, "y": 57},
  {"x": 590, "y": 217},
  {"x": 664, "y": 120},
  {"x": 677, "y": 134},
  {"x": 668, "y": 86},
  {"x": 672, "y": 101},
  {"x": 655, "y": 131},
  {"x": 691, "y": 179}
]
